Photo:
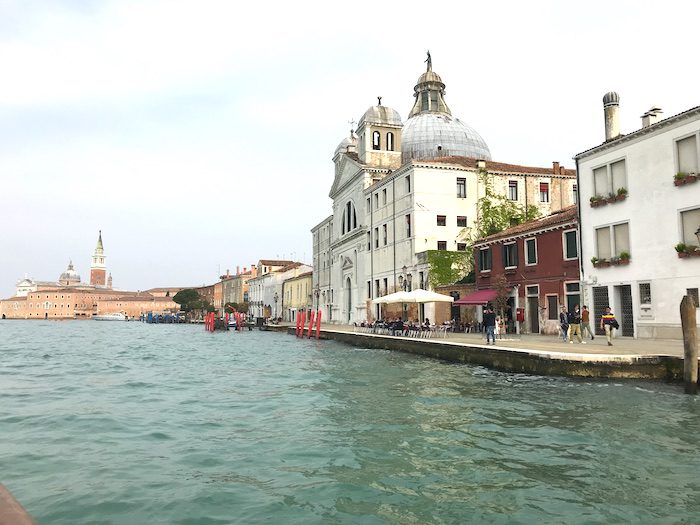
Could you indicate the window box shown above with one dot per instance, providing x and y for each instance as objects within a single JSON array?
[
  {"x": 681, "y": 178},
  {"x": 618, "y": 261},
  {"x": 687, "y": 250},
  {"x": 600, "y": 263},
  {"x": 597, "y": 200}
]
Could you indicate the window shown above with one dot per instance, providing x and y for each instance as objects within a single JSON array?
[
  {"x": 369, "y": 204},
  {"x": 349, "y": 221},
  {"x": 510, "y": 255},
  {"x": 570, "y": 245},
  {"x": 441, "y": 220},
  {"x": 384, "y": 197},
  {"x": 690, "y": 222},
  {"x": 485, "y": 259},
  {"x": 408, "y": 184},
  {"x": 376, "y": 138},
  {"x": 376, "y": 237},
  {"x": 390, "y": 141},
  {"x": 442, "y": 245},
  {"x": 687, "y": 149},
  {"x": 408, "y": 226},
  {"x": 461, "y": 221},
  {"x": 530, "y": 251},
  {"x": 608, "y": 179},
  {"x": 424, "y": 101},
  {"x": 461, "y": 246},
  {"x": 574, "y": 196},
  {"x": 552, "y": 308},
  {"x": 532, "y": 291},
  {"x": 573, "y": 295},
  {"x": 693, "y": 292},
  {"x": 377, "y": 290},
  {"x": 612, "y": 240},
  {"x": 386, "y": 285},
  {"x": 421, "y": 280},
  {"x": 461, "y": 188},
  {"x": 645, "y": 293},
  {"x": 513, "y": 190},
  {"x": 384, "y": 234},
  {"x": 369, "y": 241},
  {"x": 369, "y": 289},
  {"x": 376, "y": 201},
  {"x": 544, "y": 191}
]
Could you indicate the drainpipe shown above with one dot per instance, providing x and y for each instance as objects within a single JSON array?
[{"x": 393, "y": 206}]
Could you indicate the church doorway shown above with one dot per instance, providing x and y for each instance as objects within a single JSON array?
[
  {"x": 348, "y": 295},
  {"x": 3, "y": 316},
  {"x": 46, "y": 316}
]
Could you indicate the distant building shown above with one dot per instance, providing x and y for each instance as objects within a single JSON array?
[
  {"x": 266, "y": 290},
  {"x": 538, "y": 261},
  {"x": 297, "y": 295},
  {"x": 640, "y": 199}
]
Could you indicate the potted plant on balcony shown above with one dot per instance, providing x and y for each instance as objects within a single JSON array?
[
  {"x": 597, "y": 200},
  {"x": 600, "y": 263},
  {"x": 624, "y": 258},
  {"x": 681, "y": 248},
  {"x": 681, "y": 178},
  {"x": 621, "y": 194}
]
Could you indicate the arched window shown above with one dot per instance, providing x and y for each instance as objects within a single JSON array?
[
  {"x": 349, "y": 218},
  {"x": 376, "y": 140},
  {"x": 390, "y": 141}
]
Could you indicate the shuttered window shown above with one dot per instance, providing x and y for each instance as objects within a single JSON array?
[{"x": 688, "y": 155}]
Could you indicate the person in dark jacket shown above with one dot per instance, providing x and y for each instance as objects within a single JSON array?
[
  {"x": 564, "y": 323},
  {"x": 575, "y": 325},
  {"x": 490, "y": 325}
]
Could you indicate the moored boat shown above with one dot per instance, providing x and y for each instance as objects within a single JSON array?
[{"x": 116, "y": 316}]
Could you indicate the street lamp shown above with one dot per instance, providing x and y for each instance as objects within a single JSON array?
[{"x": 276, "y": 298}]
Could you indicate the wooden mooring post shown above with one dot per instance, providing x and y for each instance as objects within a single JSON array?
[
  {"x": 11, "y": 512},
  {"x": 690, "y": 345}
]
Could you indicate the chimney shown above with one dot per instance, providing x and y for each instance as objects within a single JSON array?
[
  {"x": 611, "y": 106},
  {"x": 555, "y": 168},
  {"x": 562, "y": 170},
  {"x": 651, "y": 117},
  {"x": 238, "y": 270}
]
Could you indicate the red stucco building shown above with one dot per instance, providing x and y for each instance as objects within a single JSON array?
[{"x": 539, "y": 261}]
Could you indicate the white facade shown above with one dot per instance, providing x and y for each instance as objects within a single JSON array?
[
  {"x": 388, "y": 212},
  {"x": 264, "y": 289},
  {"x": 644, "y": 294}
]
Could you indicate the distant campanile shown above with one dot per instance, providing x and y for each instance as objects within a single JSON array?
[{"x": 98, "y": 269}]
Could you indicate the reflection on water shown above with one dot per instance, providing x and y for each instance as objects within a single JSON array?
[{"x": 131, "y": 423}]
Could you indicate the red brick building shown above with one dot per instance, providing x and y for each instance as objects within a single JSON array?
[{"x": 539, "y": 261}]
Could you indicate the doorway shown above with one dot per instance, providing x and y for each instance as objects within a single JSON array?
[{"x": 626, "y": 315}]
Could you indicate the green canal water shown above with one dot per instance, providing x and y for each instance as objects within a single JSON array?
[{"x": 126, "y": 423}]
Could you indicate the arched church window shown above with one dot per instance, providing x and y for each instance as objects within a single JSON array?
[
  {"x": 433, "y": 101},
  {"x": 376, "y": 144},
  {"x": 390, "y": 141},
  {"x": 342, "y": 229},
  {"x": 424, "y": 101},
  {"x": 354, "y": 218}
]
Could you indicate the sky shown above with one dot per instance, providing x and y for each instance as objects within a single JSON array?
[{"x": 198, "y": 135}]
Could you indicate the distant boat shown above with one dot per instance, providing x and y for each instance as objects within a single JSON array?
[{"x": 117, "y": 316}]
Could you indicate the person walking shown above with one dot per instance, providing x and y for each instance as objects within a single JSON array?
[
  {"x": 575, "y": 325},
  {"x": 585, "y": 322},
  {"x": 608, "y": 323},
  {"x": 490, "y": 325},
  {"x": 564, "y": 324}
]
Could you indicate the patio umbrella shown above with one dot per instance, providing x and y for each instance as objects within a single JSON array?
[
  {"x": 397, "y": 297},
  {"x": 426, "y": 296}
]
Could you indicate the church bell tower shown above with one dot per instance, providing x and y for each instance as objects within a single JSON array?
[{"x": 98, "y": 269}]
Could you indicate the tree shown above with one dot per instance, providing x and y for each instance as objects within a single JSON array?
[{"x": 189, "y": 300}]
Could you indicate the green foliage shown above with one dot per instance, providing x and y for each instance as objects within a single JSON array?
[
  {"x": 680, "y": 175},
  {"x": 447, "y": 267},
  {"x": 189, "y": 300},
  {"x": 681, "y": 247},
  {"x": 502, "y": 294},
  {"x": 624, "y": 255},
  {"x": 497, "y": 212}
]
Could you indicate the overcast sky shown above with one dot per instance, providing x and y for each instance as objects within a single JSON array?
[{"x": 198, "y": 135}]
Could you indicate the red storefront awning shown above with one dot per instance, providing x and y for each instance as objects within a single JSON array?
[{"x": 478, "y": 297}]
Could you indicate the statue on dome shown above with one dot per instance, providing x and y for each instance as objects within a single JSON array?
[{"x": 430, "y": 62}]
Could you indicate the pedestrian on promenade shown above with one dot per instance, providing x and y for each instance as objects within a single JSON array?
[
  {"x": 575, "y": 325},
  {"x": 490, "y": 325},
  {"x": 608, "y": 323},
  {"x": 585, "y": 322},
  {"x": 564, "y": 323}
]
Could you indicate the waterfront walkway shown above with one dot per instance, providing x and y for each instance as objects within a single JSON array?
[{"x": 546, "y": 355}]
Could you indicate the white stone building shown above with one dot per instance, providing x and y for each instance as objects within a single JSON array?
[
  {"x": 265, "y": 290},
  {"x": 401, "y": 191},
  {"x": 636, "y": 270}
]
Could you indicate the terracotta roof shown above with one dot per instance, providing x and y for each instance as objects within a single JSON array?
[
  {"x": 272, "y": 262},
  {"x": 500, "y": 166},
  {"x": 563, "y": 216},
  {"x": 16, "y": 298},
  {"x": 305, "y": 274},
  {"x": 289, "y": 267}
]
